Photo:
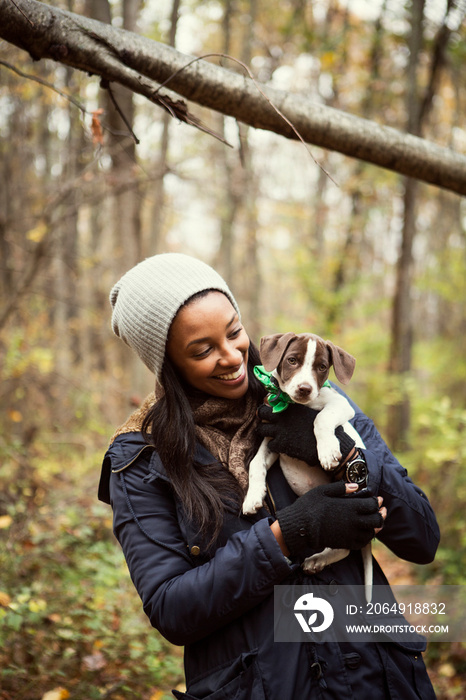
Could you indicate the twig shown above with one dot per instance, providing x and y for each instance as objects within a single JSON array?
[
  {"x": 23, "y": 13},
  {"x": 243, "y": 65},
  {"x": 178, "y": 110},
  {"x": 45, "y": 83},
  {"x": 70, "y": 98},
  {"x": 107, "y": 87}
]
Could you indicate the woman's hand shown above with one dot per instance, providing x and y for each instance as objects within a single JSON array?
[{"x": 331, "y": 515}]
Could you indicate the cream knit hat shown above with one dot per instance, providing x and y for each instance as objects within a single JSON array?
[{"x": 146, "y": 299}]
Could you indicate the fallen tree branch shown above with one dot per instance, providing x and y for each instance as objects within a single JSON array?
[{"x": 144, "y": 65}]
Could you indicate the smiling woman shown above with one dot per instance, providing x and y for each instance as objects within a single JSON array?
[
  {"x": 176, "y": 475},
  {"x": 209, "y": 346}
]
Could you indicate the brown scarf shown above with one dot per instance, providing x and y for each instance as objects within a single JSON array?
[{"x": 225, "y": 427}]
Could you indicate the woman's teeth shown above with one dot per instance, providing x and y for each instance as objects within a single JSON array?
[{"x": 233, "y": 375}]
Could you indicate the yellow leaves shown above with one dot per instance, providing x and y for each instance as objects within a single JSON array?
[
  {"x": 34, "y": 605},
  {"x": 37, "y": 234},
  {"x": 40, "y": 358},
  {"x": 25, "y": 353},
  {"x": 57, "y": 694},
  {"x": 157, "y": 695},
  {"x": 445, "y": 455},
  {"x": 328, "y": 60},
  {"x": 5, "y": 522},
  {"x": 5, "y": 599},
  {"x": 15, "y": 416},
  {"x": 38, "y": 605},
  {"x": 447, "y": 670}
]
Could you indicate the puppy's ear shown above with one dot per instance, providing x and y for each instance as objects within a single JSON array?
[
  {"x": 273, "y": 347},
  {"x": 343, "y": 362}
]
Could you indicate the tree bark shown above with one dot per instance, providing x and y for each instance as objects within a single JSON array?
[
  {"x": 157, "y": 193},
  {"x": 143, "y": 65},
  {"x": 418, "y": 109}
]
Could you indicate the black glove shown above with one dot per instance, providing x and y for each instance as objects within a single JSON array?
[
  {"x": 324, "y": 517},
  {"x": 292, "y": 433}
]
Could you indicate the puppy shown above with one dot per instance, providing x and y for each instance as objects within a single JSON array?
[{"x": 300, "y": 365}]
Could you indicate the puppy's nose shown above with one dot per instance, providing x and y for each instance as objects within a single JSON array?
[{"x": 305, "y": 390}]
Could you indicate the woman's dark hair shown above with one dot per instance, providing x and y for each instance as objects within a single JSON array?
[{"x": 206, "y": 491}]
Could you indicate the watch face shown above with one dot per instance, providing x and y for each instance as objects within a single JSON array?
[{"x": 356, "y": 472}]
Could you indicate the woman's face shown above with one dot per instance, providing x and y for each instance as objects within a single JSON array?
[{"x": 209, "y": 346}]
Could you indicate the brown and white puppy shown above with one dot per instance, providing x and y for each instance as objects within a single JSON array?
[{"x": 301, "y": 365}]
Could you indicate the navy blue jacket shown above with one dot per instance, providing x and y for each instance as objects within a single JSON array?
[{"x": 218, "y": 602}]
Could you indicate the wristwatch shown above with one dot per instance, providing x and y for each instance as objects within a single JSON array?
[{"x": 356, "y": 471}]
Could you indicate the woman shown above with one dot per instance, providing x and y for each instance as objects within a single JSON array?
[{"x": 176, "y": 473}]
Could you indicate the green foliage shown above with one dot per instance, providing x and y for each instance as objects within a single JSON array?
[
  {"x": 69, "y": 614},
  {"x": 436, "y": 462}
]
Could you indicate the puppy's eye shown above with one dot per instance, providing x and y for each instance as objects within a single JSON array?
[
  {"x": 292, "y": 360},
  {"x": 323, "y": 368}
]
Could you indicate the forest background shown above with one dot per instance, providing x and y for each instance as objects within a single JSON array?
[{"x": 95, "y": 179}]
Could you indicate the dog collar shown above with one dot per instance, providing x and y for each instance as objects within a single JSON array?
[{"x": 278, "y": 400}]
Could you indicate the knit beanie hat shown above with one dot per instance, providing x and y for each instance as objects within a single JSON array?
[{"x": 147, "y": 298}]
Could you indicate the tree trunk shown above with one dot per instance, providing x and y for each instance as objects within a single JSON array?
[
  {"x": 156, "y": 234},
  {"x": 66, "y": 334},
  {"x": 123, "y": 207},
  {"x": 230, "y": 196},
  {"x": 418, "y": 109}
]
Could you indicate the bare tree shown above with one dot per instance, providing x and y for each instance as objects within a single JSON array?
[
  {"x": 419, "y": 103},
  {"x": 158, "y": 191}
]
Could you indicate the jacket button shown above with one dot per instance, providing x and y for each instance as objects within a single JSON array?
[
  {"x": 333, "y": 587},
  {"x": 302, "y": 532},
  {"x": 195, "y": 550}
]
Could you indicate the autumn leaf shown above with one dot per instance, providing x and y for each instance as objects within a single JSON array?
[
  {"x": 5, "y": 521},
  {"x": 57, "y": 694},
  {"x": 5, "y": 599},
  {"x": 37, "y": 233},
  {"x": 157, "y": 695},
  {"x": 94, "y": 661},
  {"x": 15, "y": 416},
  {"x": 96, "y": 128}
]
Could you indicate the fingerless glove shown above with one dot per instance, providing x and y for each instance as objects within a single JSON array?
[
  {"x": 292, "y": 433},
  {"x": 325, "y": 517}
]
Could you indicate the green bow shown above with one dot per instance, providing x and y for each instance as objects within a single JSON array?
[{"x": 278, "y": 400}]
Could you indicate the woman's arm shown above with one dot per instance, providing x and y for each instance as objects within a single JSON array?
[
  {"x": 410, "y": 529},
  {"x": 183, "y": 601}
]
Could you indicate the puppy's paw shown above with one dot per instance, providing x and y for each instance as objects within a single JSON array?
[
  {"x": 315, "y": 564},
  {"x": 249, "y": 508},
  {"x": 329, "y": 453},
  {"x": 253, "y": 501}
]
